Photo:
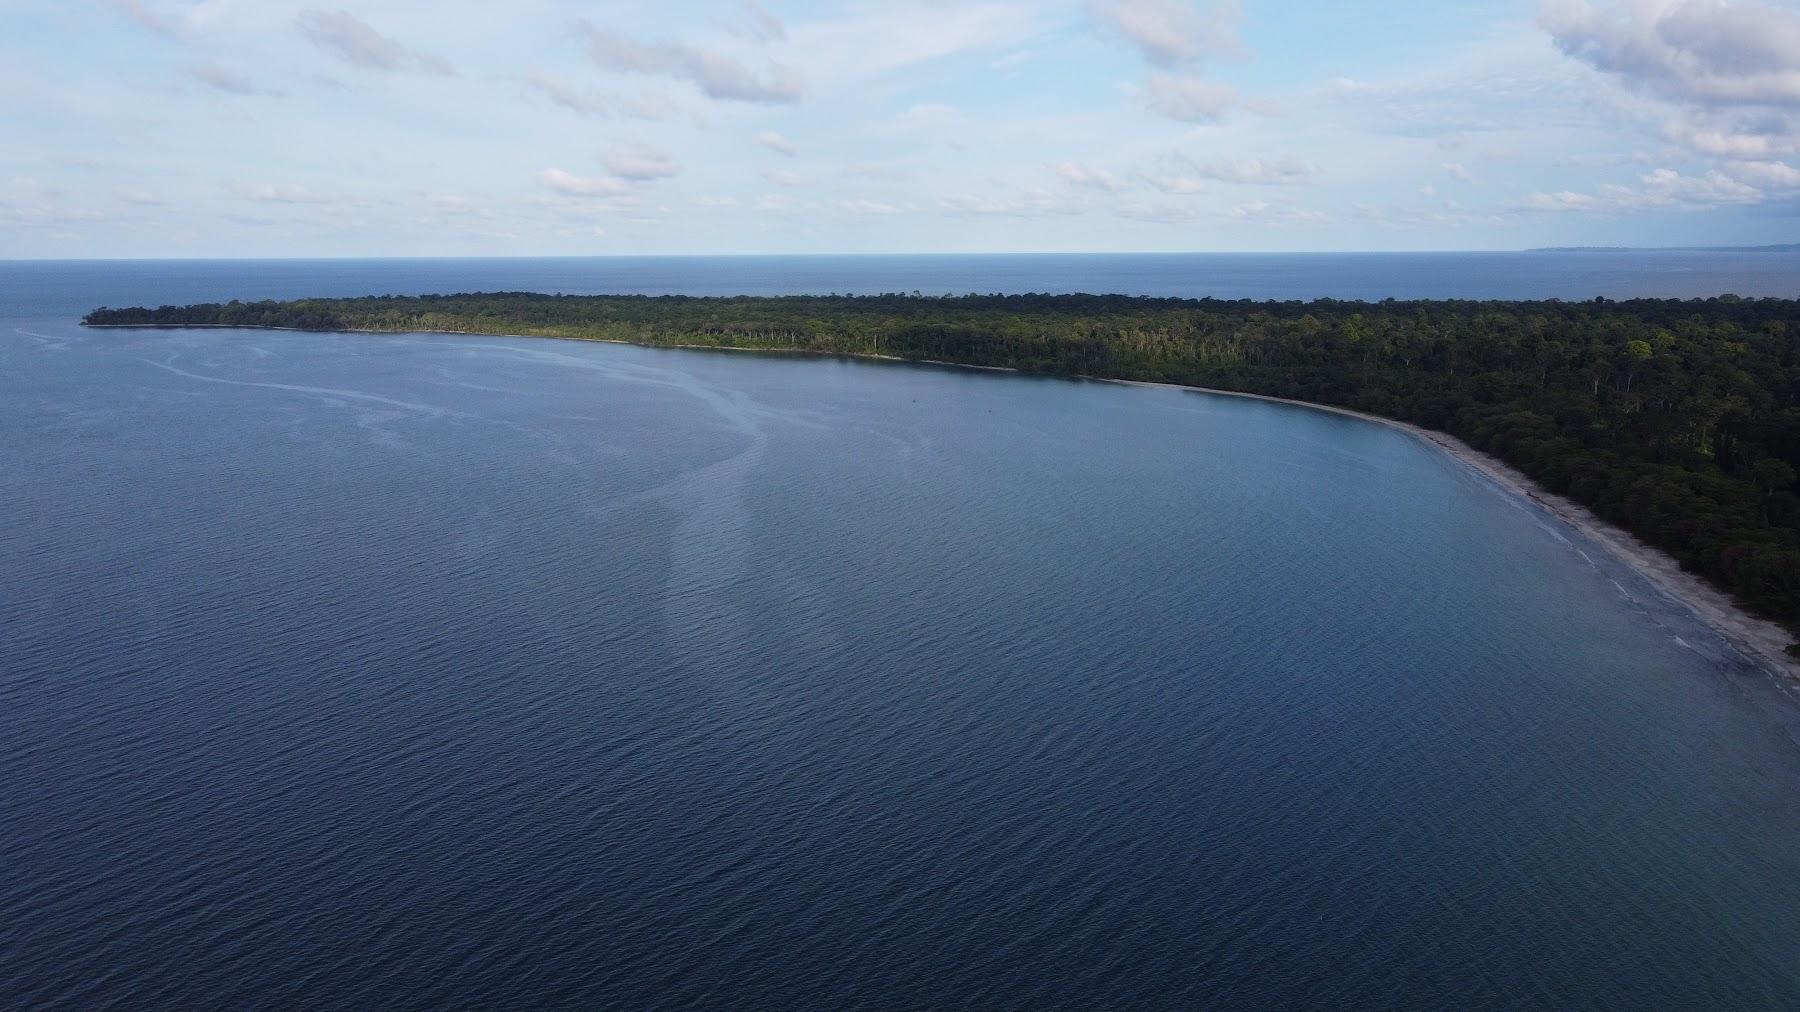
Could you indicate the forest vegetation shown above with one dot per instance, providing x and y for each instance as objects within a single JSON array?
[{"x": 1678, "y": 421}]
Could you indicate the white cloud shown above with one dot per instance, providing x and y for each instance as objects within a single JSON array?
[
  {"x": 1722, "y": 78},
  {"x": 1254, "y": 171},
  {"x": 357, "y": 44},
  {"x": 1190, "y": 99},
  {"x": 1669, "y": 186},
  {"x": 1721, "y": 139},
  {"x": 716, "y": 74},
  {"x": 785, "y": 177},
  {"x": 1774, "y": 175},
  {"x": 1090, "y": 177},
  {"x": 639, "y": 162},
  {"x": 1171, "y": 33},
  {"x": 283, "y": 193},
  {"x": 776, "y": 142},
  {"x": 1661, "y": 189},
  {"x": 1707, "y": 51},
  {"x": 1561, "y": 200},
  {"x": 570, "y": 185}
]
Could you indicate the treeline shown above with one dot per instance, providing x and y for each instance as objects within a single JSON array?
[{"x": 1676, "y": 420}]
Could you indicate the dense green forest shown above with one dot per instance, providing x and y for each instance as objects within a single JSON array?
[{"x": 1676, "y": 420}]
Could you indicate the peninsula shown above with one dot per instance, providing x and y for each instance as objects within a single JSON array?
[{"x": 1677, "y": 421}]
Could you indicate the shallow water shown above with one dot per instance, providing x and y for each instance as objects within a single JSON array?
[{"x": 432, "y": 671}]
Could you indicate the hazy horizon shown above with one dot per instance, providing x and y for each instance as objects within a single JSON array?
[{"x": 1697, "y": 247}]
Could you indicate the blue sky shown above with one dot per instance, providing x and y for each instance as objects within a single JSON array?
[{"x": 468, "y": 127}]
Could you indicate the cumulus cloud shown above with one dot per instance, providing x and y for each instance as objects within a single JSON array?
[
  {"x": 1727, "y": 75},
  {"x": 1090, "y": 177},
  {"x": 1690, "y": 50},
  {"x": 1661, "y": 189},
  {"x": 785, "y": 177},
  {"x": 777, "y": 143},
  {"x": 1774, "y": 175},
  {"x": 1171, "y": 33},
  {"x": 1460, "y": 172},
  {"x": 355, "y": 43},
  {"x": 1175, "y": 35},
  {"x": 571, "y": 185},
  {"x": 1190, "y": 99},
  {"x": 1720, "y": 137},
  {"x": 639, "y": 162},
  {"x": 1665, "y": 186},
  {"x": 717, "y": 75}
]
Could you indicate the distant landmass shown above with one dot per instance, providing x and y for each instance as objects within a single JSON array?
[
  {"x": 1678, "y": 420},
  {"x": 1788, "y": 247}
]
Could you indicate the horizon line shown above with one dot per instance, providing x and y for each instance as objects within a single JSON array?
[{"x": 1718, "y": 248}]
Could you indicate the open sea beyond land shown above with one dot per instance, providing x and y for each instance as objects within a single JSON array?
[{"x": 432, "y": 671}]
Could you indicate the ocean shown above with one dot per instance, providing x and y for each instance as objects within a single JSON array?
[{"x": 428, "y": 671}]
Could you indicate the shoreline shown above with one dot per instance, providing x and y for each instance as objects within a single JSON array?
[{"x": 1759, "y": 641}]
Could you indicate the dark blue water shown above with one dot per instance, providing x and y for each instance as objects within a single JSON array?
[{"x": 427, "y": 672}]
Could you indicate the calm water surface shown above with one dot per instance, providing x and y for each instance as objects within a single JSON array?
[{"x": 427, "y": 672}]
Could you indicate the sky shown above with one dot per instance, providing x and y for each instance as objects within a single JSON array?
[{"x": 226, "y": 128}]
